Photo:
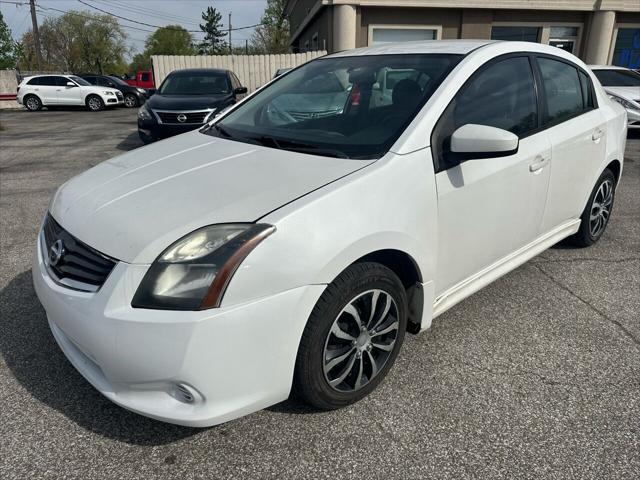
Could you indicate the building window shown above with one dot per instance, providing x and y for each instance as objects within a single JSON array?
[
  {"x": 306, "y": 46},
  {"x": 515, "y": 32},
  {"x": 565, "y": 38},
  {"x": 379, "y": 34},
  {"x": 314, "y": 42},
  {"x": 626, "y": 52}
]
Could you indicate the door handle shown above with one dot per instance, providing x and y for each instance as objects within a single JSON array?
[
  {"x": 597, "y": 135},
  {"x": 539, "y": 163}
]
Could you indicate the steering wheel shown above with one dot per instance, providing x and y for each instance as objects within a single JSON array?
[{"x": 272, "y": 112}]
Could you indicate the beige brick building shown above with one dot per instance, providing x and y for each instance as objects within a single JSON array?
[{"x": 598, "y": 31}]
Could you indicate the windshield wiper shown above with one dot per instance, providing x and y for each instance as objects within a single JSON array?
[
  {"x": 222, "y": 130},
  {"x": 297, "y": 146}
]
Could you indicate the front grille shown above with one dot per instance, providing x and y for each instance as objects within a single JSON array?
[
  {"x": 78, "y": 266},
  {"x": 301, "y": 116},
  {"x": 189, "y": 117}
]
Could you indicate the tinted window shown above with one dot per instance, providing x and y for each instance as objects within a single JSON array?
[
  {"x": 210, "y": 83},
  {"x": 78, "y": 80},
  {"x": 48, "y": 81},
  {"x": 35, "y": 81},
  {"x": 585, "y": 85},
  {"x": 325, "y": 107},
  {"x": 523, "y": 34},
  {"x": 145, "y": 77},
  {"x": 617, "y": 78},
  {"x": 91, "y": 80},
  {"x": 502, "y": 95},
  {"x": 562, "y": 89}
]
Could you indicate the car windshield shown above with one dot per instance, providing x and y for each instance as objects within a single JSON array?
[
  {"x": 349, "y": 107},
  {"x": 214, "y": 83},
  {"x": 80, "y": 81},
  {"x": 118, "y": 81},
  {"x": 618, "y": 78}
]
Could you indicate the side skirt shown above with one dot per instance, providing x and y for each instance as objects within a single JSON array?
[{"x": 503, "y": 266}]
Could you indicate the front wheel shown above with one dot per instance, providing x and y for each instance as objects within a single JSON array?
[
  {"x": 130, "y": 100},
  {"x": 595, "y": 217},
  {"x": 352, "y": 338},
  {"x": 95, "y": 103}
]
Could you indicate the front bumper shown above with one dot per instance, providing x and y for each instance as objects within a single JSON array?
[
  {"x": 233, "y": 360},
  {"x": 161, "y": 130}
]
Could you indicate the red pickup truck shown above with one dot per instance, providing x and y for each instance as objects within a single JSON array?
[{"x": 143, "y": 79}]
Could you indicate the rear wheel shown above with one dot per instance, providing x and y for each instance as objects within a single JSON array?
[
  {"x": 595, "y": 217},
  {"x": 32, "y": 103},
  {"x": 130, "y": 100},
  {"x": 352, "y": 338},
  {"x": 95, "y": 103}
]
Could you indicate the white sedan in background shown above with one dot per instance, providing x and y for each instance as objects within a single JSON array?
[
  {"x": 65, "y": 90},
  {"x": 203, "y": 277},
  {"x": 623, "y": 86}
]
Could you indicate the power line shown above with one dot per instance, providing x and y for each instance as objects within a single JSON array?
[
  {"x": 152, "y": 25},
  {"x": 142, "y": 11}
]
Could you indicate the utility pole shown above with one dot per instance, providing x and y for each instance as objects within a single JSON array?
[
  {"x": 246, "y": 46},
  {"x": 230, "y": 47},
  {"x": 36, "y": 33}
]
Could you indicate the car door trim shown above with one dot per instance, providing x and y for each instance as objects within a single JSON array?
[{"x": 484, "y": 277}]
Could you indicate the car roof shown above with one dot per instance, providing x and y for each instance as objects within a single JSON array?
[
  {"x": 607, "y": 67},
  {"x": 201, "y": 70},
  {"x": 460, "y": 47}
]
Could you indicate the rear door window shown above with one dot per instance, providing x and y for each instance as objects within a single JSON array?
[{"x": 563, "y": 90}]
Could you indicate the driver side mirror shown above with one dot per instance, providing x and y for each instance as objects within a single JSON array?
[
  {"x": 473, "y": 141},
  {"x": 71, "y": 84},
  {"x": 240, "y": 90}
]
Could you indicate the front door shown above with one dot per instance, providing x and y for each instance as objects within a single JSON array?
[
  {"x": 489, "y": 208},
  {"x": 48, "y": 89},
  {"x": 68, "y": 95}
]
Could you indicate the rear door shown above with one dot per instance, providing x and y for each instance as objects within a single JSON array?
[
  {"x": 47, "y": 90},
  {"x": 577, "y": 130},
  {"x": 488, "y": 208}
]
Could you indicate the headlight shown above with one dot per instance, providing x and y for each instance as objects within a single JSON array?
[
  {"x": 193, "y": 273},
  {"x": 108, "y": 92},
  {"x": 625, "y": 103},
  {"x": 141, "y": 90},
  {"x": 143, "y": 113}
]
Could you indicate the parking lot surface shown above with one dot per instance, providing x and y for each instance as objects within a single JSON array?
[{"x": 536, "y": 376}]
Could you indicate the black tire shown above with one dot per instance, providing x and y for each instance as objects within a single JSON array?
[
  {"x": 311, "y": 384},
  {"x": 131, "y": 101},
  {"x": 32, "y": 103},
  {"x": 94, "y": 103},
  {"x": 146, "y": 139},
  {"x": 587, "y": 235}
]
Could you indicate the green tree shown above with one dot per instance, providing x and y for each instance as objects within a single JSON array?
[
  {"x": 169, "y": 40},
  {"x": 8, "y": 48},
  {"x": 214, "y": 37},
  {"x": 272, "y": 36},
  {"x": 78, "y": 42}
]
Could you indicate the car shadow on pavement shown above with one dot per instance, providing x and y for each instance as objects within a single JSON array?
[
  {"x": 31, "y": 353},
  {"x": 130, "y": 142}
]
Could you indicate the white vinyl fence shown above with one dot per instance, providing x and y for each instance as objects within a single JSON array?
[{"x": 252, "y": 70}]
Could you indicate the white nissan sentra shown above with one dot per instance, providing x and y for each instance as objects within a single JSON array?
[{"x": 276, "y": 250}]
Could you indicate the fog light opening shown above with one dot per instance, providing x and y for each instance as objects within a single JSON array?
[{"x": 184, "y": 393}]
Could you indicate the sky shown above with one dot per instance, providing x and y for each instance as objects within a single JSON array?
[{"x": 156, "y": 12}]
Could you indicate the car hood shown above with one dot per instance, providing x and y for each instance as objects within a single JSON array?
[
  {"x": 628, "y": 93},
  {"x": 134, "y": 206},
  {"x": 187, "y": 102}
]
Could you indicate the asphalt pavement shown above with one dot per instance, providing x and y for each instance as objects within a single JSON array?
[{"x": 536, "y": 376}]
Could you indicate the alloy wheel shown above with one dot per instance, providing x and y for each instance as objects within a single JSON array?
[
  {"x": 32, "y": 103},
  {"x": 130, "y": 101},
  {"x": 360, "y": 341},
  {"x": 95, "y": 104},
  {"x": 601, "y": 208}
]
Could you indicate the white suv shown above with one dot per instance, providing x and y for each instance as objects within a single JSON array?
[{"x": 65, "y": 90}]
